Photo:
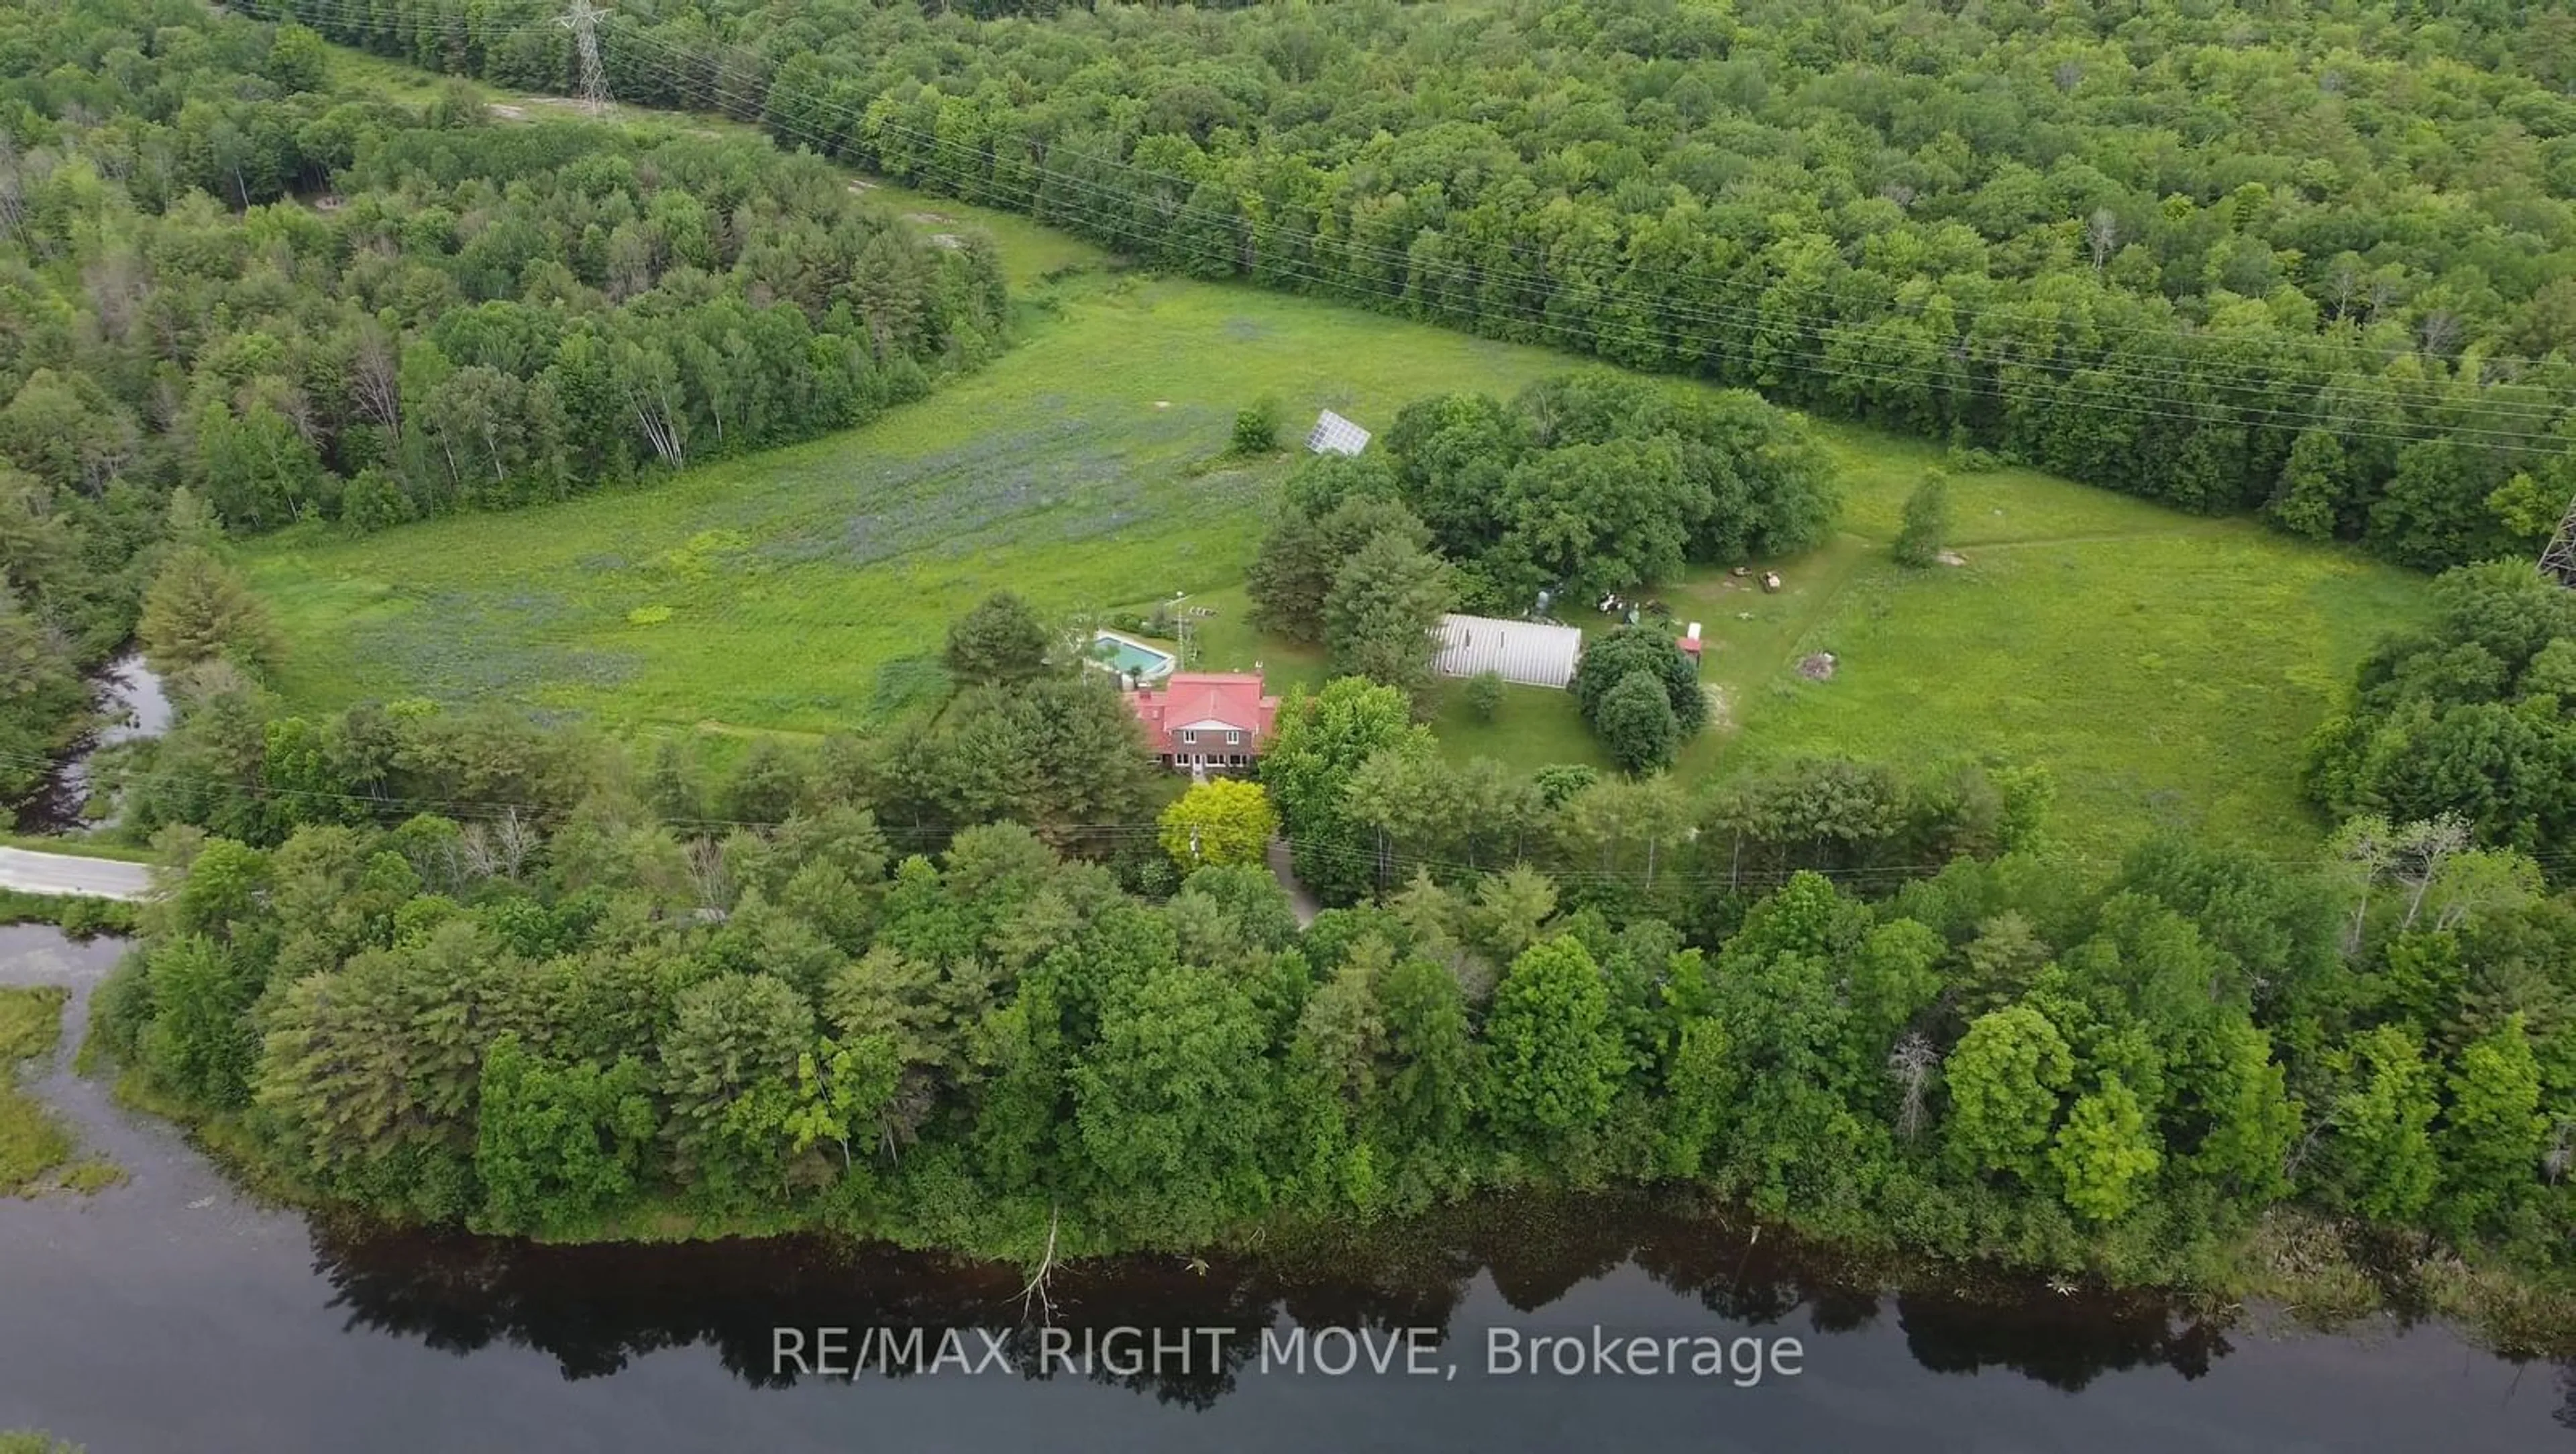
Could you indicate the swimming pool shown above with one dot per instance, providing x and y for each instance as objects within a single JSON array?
[{"x": 1126, "y": 654}]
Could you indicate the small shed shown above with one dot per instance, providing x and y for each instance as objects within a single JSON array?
[{"x": 1526, "y": 652}]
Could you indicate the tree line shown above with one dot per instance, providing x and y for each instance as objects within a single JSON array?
[
  {"x": 1873, "y": 1003},
  {"x": 2468, "y": 720},
  {"x": 2225, "y": 256},
  {"x": 224, "y": 271}
]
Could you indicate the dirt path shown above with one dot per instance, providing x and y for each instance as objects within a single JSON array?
[{"x": 1305, "y": 905}]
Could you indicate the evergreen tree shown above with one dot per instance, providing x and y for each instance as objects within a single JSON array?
[
  {"x": 1383, "y": 611},
  {"x": 999, "y": 642},
  {"x": 200, "y": 609}
]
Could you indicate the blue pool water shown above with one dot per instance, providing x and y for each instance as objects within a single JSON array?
[{"x": 1125, "y": 654}]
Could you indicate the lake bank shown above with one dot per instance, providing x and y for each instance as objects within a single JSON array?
[{"x": 265, "y": 1329}]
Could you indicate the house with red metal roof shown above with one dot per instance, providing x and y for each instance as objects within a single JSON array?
[{"x": 1207, "y": 720}]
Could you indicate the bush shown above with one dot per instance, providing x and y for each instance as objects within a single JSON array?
[
  {"x": 78, "y": 917},
  {"x": 1484, "y": 696},
  {"x": 1927, "y": 521},
  {"x": 374, "y": 501},
  {"x": 1256, "y": 429},
  {"x": 1969, "y": 459}
]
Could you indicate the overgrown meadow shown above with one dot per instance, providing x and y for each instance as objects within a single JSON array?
[{"x": 2164, "y": 667}]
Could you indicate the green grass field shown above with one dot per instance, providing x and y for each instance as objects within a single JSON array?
[
  {"x": 800, "y": 590},
  {"x": 2163, "y": 667}
]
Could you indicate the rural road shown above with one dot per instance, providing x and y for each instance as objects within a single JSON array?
[{"x": 56, "y": 873}]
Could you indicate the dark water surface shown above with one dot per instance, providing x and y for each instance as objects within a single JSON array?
[
  {"x": 169, "y": 1314},
  {"x": 130, "y": 704}
]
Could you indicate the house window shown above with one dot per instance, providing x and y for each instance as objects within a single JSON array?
[
  {"x": 1188, "y": 736},
  {"x": 1233, "y": 739},
  {"x": 1236, "y": 759}
]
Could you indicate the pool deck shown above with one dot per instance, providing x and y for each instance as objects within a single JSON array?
[{"x": 1163, "y": 663}]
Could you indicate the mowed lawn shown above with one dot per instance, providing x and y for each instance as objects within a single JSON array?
[{"x": 2163, "y": 667}]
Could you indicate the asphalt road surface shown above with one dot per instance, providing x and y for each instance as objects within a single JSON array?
[{"x": 57, "y": 873}]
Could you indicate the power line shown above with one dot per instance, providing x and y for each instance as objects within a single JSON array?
[
  {"x": 582, "y": 19},
  {"x": 2108, "y": 396},
  {"x": 755, "y": 106},
  {"x": 1400, "y": 862},
  {"x": 2113, "y": 395},
  {"x": 764, "y": 62}
]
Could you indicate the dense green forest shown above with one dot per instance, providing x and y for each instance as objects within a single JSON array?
[
  {"x": 905, "y": 987},
  {"x": 2312, "y": 260},
  {"x": 972, "y": 981},
  {"x": 218, "y": 274}
]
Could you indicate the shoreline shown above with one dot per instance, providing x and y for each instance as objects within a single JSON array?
[{"x": 2294, "y": 1272}]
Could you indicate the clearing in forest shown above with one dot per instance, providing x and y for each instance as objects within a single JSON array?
[{"x": 2163, "y": 666}]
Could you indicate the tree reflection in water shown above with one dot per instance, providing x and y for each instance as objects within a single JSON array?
[{"x": 596, "y": 1308}]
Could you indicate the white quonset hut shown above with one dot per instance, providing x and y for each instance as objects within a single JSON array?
[{"x": 1517, "y": 651}]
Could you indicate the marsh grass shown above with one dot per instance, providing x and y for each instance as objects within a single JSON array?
[{"x": 32, "y": 1141}]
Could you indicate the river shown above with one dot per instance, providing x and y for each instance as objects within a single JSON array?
[
  {"x": 171, "y": 1313},
  {"x": 129, "y": 703}
]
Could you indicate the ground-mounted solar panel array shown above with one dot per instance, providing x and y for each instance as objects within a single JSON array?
[{"x": 1334, "y": 434}]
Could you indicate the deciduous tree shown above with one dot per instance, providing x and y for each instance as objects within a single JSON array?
[
  {"x": 1554, "y": 1059},
  {"x": 1218, "y": 822}
]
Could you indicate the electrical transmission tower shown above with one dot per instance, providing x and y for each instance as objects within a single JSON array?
[
  {"x": 2558, "y": 559},
  {"x": 582, "y": 19}
]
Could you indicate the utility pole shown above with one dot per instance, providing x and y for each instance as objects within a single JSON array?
[
  {"x": 582, "y": 19},
  {"x": 2558, "y": 558}
]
